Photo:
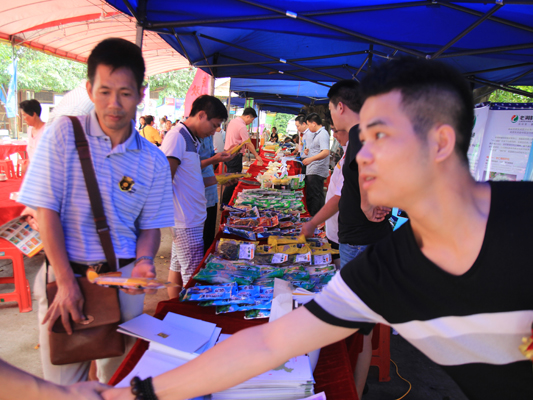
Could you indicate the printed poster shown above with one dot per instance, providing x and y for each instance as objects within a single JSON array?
[
  {"x": 506, "y": 145},
  {"x": 481, "y": 115}
]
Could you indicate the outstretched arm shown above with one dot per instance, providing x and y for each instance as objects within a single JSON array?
[{"x": 246, "y": 354}]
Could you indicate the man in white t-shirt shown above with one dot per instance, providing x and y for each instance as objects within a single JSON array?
[
  {"x": 31, "y": 113},
  {"x": 330, "y": 212},
  {"x": 181, "y": 146}
]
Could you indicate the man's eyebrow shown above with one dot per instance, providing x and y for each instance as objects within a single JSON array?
[{"x": 375, "y": 123}]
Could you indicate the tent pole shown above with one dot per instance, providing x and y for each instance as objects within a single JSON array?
[
  {"x": 203, "y": 53},
  {"x": 141, "y": 13},
  {"x": 275, "y": 70},
  {"x": 499, "y": 86},
  {"x": 130, "y": 9},
  {"x": 267, "y": 56},
  {"x": 481, "y": 71},
  {"x": 487, "y": 50},
  {"x": 519, "y": 76},
  {"x": 337, "y": 29},
  {"x": 479, "y": 14},
  {"x": 295, "y": 60},
  {"x": 370, "y": 55},
  {"x": 182, "y": 46},
  {"x": 467, "y": 30}
]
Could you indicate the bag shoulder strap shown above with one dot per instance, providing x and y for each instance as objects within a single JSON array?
[{"x": 94, "y": 193}]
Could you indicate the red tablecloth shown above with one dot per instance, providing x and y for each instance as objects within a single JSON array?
[
  {"x": 333, "y": 373},
  {"x": 9, "y": 209},
  {"x": 7, "y": 149}
]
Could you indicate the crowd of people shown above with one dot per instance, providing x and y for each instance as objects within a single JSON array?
[{"x": 454, "y": 280}]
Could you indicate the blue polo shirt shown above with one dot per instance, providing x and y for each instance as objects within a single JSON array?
[
  {"x": 206, "y": 151},
  {"x": 54, "y": 180}
]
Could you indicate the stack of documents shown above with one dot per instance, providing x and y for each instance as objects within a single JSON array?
[
  {"x": 291, "y": 381},
  {"x": 173, "y": 341}
]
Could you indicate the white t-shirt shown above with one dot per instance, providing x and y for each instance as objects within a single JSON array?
[
  {"x": 334, "y": 189},
  {"x": 188, "y": 184},
  {"x": 34, "y": 135},
  {"x": 218, "y": 141}
]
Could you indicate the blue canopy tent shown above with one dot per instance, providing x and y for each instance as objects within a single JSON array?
[
  {"x": 269, "y": 105},
  {"x": 492, "y": 44}
]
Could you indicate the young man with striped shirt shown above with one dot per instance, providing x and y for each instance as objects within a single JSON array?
[{"x": 55, "y": 186}]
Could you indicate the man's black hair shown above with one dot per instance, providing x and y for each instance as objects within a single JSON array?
[
  {"x": 31, "y": 107},
  {"x": 249, "y": 111},
  {"x": 433, "y": 93},
  {"x": 117, "y": 53},
  {"x": 314, "y": 117},
  {"x": 275, "y": 129},
  {"x": 346, "y": 92},
  {"x": 212, "y": 106},
  {"x": 148, "y": 119},
  {"x": 301, "y": 119}
]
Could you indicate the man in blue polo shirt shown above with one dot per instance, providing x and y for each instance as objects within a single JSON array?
[{"x": 55, "y": 186}]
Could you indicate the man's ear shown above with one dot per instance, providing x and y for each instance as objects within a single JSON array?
[
  {"x": 89, "y": 88},
  {"x": 340, "y": 107},
  {"x": 142, "y": 92},
  {"x": 444, "y": 140}
]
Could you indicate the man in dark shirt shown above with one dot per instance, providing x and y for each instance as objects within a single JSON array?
[{"x": 455, "y": 280}]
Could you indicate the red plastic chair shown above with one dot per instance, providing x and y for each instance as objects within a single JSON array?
[
  {"x": 22, "y": 166},
  {"x": 6, "y": 167},
  {"x": 22, "y": 293},
  {"x": 381, "y": 351}
]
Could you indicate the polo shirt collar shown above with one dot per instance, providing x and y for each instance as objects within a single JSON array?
[
  {"x": 133, "y": 142},
  {"x": 195, "y": 140}
]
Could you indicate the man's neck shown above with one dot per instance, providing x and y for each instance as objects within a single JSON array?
[
  {"x": 38, "y": 125},
  {"x": 117, "y": 136},
  {"x": 190, "y": 123},
  {"x": 449, "y": 222}
]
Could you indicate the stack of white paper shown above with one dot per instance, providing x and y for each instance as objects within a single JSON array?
[{"x": 290, "y": 381}]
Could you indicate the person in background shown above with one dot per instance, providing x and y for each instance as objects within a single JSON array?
[
  {"x": 31, "y": 114},
  {"x": 274, "y": 135},
  {"x": 317, "y": 163},
  {"x": 17, "y": 384},
  {"x": 167, "y": 128},
  {"x": 181, "y": 146},
  {"x": 209, "y": 158},
  {"x": 149, "y": 132},
  {"x": 238, "y": 133},
  {"x": 142, "y": 122},
  {"x": 330, "y": 212},
  {"x": 357, "y": 226},
  {"x": 303, "y": 130},
  {"x": 219, "y": 140}
]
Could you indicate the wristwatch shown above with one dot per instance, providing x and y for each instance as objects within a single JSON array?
[{"x": 137, "y": 261}]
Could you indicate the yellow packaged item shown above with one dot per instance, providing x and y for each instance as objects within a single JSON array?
[
  {"x": 277, "y": 240},
  {"x": 222, "y": 179},
  {"x": 299, "y": 248}
]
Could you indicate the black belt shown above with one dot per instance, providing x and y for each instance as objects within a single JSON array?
[{"x": 81, "y": 269}]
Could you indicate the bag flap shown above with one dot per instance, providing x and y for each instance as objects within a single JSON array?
[{"x": 101, "y": 306}]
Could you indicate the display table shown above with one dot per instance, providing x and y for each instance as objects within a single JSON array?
[
  {"x": 333, "y": 373},
  {"x": 9, "y": 209},
  {"x": 13, "y": 147}
]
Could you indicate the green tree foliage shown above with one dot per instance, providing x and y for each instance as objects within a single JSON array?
[
  {"x": 39, "y": 71},
  {"x": 501, "y": 96},
  {"x": 173, "y": 83},
  {"x": 281, "y": 122}
]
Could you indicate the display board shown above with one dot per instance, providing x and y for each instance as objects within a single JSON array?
[{"x": 501, "y": 142}]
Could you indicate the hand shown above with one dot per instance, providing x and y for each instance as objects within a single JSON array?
[
  {"x": 259, "y": 162},
  {"x": 118, "y": 394},
  {"x": 306, "y": 161},
  {"x": 68, "y": 302},
  {"x": 224, "y": 156},
  {"x": 308, "y": 229},
  {"x": 144, "y": 269},
  {"x": 84, "y": 390},
  {"x": 31, "y": 217},
  {"x": 306, "y": 152},
  {"x": 377, "y": 213}
]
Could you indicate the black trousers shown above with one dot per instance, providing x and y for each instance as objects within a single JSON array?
[
  {"x": 209, "y": 227},
  {"x": 314, "y": 190},
  {"x": 234, "y": 165}
]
